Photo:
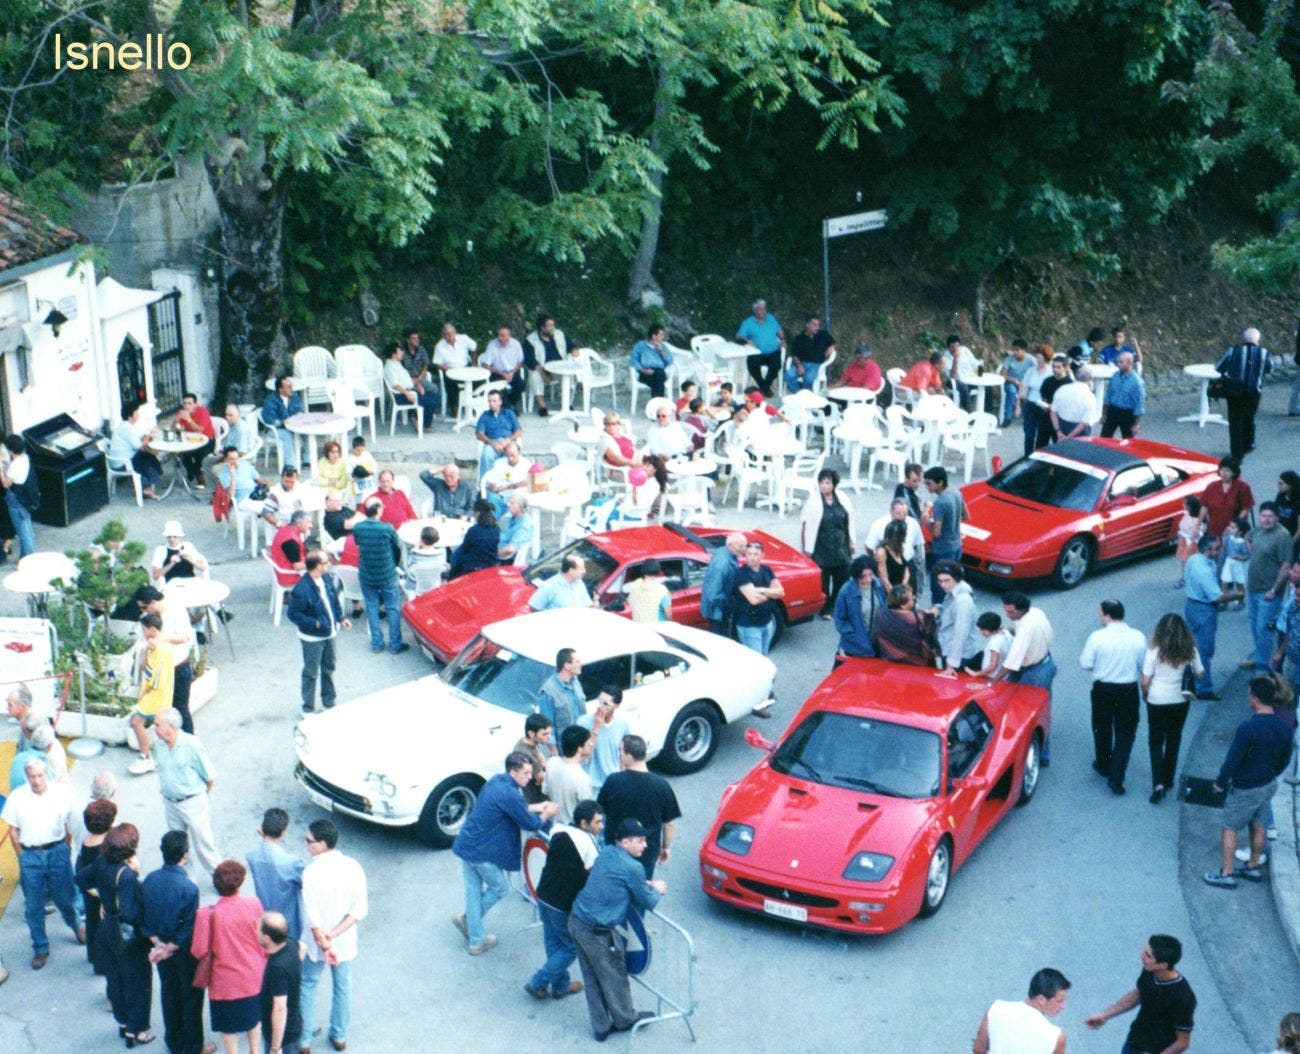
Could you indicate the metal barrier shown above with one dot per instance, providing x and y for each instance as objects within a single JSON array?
[{"x": 668, "y": 973}]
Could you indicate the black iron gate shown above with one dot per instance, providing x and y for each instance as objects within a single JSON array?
[
  {"x": 130, "y": 374},
  {"x": 168, "y": 357}
]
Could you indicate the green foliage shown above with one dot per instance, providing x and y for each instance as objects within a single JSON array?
[
  {"x": 1249, "y": 89},
  {"x": 1036, "y": 128},
  {"x": 109, "y": 571}
]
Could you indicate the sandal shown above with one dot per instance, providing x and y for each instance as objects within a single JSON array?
[
  {"x": 139, "y": 1039},
  {"x": 1250, "y": 874},
  {"x": 1222, "y": 881}
]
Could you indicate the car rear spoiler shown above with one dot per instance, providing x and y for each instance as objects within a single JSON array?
[{"x": 689, "y": 535}]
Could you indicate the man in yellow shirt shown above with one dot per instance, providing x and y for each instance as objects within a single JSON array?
[{"x": 156, "y": 682}]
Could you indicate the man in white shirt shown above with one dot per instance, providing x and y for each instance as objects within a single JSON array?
[
  {"x": 666, "y": 437},
  {"x": 452, "y": 352},
  {"x": 504, "y": 359},
  {"x": 507, "y": 474},
  {"x": 39, "y": 816},
  {"x": 1113, "y": 655},
  {"x": 898, "y": 510},
  {"x": 965, "y": 369},
  {"x": 1029, "y": 659},
  {"x": 567, "y": 781},
  {"x": 15, "y": 468},
  {"x": 333, "y": 902},
  {"x": 1074, "y": 407},
  {"x": 1022, "y": 1027},
  {"x": 284, "y": 499},
  {"x": 408, "y": 390}
]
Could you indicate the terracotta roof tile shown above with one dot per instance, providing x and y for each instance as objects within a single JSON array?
[{"x": 26, "y": 235}]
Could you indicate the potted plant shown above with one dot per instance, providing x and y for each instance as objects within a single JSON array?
[{"x": 98, "y": 657}]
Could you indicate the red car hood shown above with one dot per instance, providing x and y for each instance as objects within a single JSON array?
[
  {"x": 814, "y": 834},
  {"x": 449, "y": 616},
  {"x": 1009, "y": 520}
]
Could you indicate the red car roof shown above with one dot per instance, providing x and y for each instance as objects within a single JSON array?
[{"x": 910, "y": 695}]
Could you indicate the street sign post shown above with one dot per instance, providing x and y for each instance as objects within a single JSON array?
[{"x": 839, "y": 227}]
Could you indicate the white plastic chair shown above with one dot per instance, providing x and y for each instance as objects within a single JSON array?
[
  {"x": 748, "y": 469},
  {"x": 343, "y": 401},
  {"x": 984, "y": 425},
  {"x": 958, "y": 437},
  {"x": 597, "y": 372},
  {"x": 634, "y": 382},
  {"x": 358, "y": 364},
  {"x": 126, "y": 472},
  {"x": 350, "y": 580},
  {"x": 901, "y": 396},
  {"x": 278, "y": 590},
  {"x": 861, "y": 428},
  {"x": 397, "y": 409},
  {"x": 800, "y": 477},
  {"x": 688, "y": 500},
  {"x": 314, "y": 365}
]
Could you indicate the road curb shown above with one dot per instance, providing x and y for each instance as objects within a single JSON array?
[{"x": 1284, "y": 863}]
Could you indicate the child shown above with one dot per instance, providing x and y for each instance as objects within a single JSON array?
[
  {"x": 1235, "y": 555},
  {"x": 689, "y": 392},
  {"x": 426, "y": 563},
  {"x": 1189, "y": 532},
  {"x": 362, "y": 467},
  {"x": 998, "y": 643}
]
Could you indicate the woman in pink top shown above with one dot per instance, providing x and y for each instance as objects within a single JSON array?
[{"x": 228, "y": 930}]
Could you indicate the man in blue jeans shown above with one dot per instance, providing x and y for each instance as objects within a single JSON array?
[
  {"x": 1203, "y": 596},
  {"x": 573, "y": 852},
  {"x": 39, "y": 816},
  {"x": 378, "y": 552},
  {"x": 488, "y": 845}
]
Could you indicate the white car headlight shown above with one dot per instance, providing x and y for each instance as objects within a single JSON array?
[
  {"x": 300, "y": 740},
  {"x": 382, "y": 783}
]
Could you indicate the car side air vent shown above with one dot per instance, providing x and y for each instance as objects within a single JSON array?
[
  {"x": 797, "y": 792},
  {"x": 866, "y": 806}
]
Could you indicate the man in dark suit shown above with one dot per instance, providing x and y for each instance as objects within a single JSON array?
[{"x": 314, "y": 608}]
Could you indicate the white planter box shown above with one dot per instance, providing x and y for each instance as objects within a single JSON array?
[
  {"x": 203, "y": 690},
  {"x": 112, "y": 730}
]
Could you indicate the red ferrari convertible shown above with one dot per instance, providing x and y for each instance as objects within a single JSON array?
[
  {"x": 1078, "y": 504},
  {"x": 445, "y": 619},
  {"x": 883, "y": 785}
]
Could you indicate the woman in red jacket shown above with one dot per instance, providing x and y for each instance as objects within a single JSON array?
[{"x": 227, "y": 931}]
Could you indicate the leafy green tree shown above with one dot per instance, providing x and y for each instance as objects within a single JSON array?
[
  {"x": 1247, "y": 82},
  {"x": 1036, "y": 128}
]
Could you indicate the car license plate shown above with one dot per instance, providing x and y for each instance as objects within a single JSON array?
[{"x": 785, "y": 911}]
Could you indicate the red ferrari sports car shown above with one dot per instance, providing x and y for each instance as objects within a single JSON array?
[
  {"x": 885, "y": 782},
  {"x": 1078, "y": 504},
  {"x": 445, "y": 619}
]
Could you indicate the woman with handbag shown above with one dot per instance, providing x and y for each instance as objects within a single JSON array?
[
  {"x": 98, "y": 818},
  {"x": 231, "y": 961},
  {"x": 124, "y": 954},
  {"x": 826, "y": 535},
  {"x": 1169, "y": 675}
]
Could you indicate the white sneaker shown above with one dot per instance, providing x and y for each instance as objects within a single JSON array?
[
  {"x": 141, "y": 767},
  {"x": 1243, "y": 854},
  {"x": 1271, "y": 832}
]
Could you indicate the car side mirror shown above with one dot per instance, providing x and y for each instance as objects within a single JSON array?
[
  {"x": 1121, "y": 501},
  {"x": 755, "y": 738},
  {"x": 972, "y": 783},
  {"x": 616, "y": 604}
]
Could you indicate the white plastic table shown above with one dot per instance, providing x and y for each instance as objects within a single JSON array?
[
  {"x": 699, "y": 466},
  {"x": 734, "y": 356},
  {"x": 983, "y": 384},
  {"x": 1205, "y": 373},
  {"x": 48, "y": 566},
  {"x": 203, "y": 593},
  {"x": 851, "y": 395},
  {"x": 466, "y": 377},
  {"x": 316, "y": 424},
  {"x": 183, "y": 444},
  {"x": 555, "y": 501},
  {"x": 34, "y": 588},
  {"x": 777, "y": 443},
  {"x": 566, "y": 370},
  {"x": 932, "y": 411},
  {"x": 450, "y": 532}
]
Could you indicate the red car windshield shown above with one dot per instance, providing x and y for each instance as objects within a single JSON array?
[
  {"x": 861, "y": 753},
  {"x": 600, "y": 565},
  {"x": 1050, "y": 482}
]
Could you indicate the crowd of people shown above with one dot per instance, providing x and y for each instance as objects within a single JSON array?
[{"x": 581, "y": 776}]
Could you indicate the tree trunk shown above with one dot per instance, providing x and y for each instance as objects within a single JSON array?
[
  {"x": 253, "y": 343},
  {"x": 640, "y": 277}
]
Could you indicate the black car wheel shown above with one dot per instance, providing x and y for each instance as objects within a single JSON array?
[{"x": 446, "y": 809}]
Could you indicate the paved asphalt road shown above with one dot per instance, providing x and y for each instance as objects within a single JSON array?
[{"x": 1077, "y": 880}]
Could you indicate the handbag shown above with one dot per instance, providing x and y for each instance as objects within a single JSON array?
[
  {"x": 1217, "y": 389},
  {"x": 260, "y": 492},
  {"x": 123, "y": 933},
  {"x": 203, "y": 969},
  {"x": 1189, "y": 680}
]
